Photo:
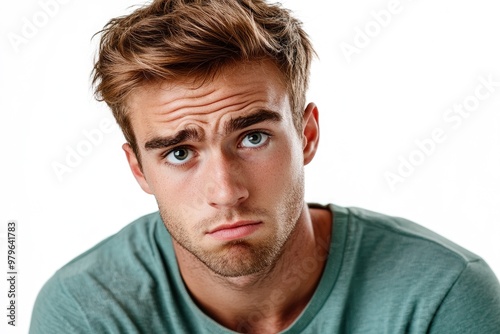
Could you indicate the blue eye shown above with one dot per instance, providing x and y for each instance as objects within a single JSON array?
[
  {"x": 254, "y": 139},
  {"x": 179, "y": 156}
]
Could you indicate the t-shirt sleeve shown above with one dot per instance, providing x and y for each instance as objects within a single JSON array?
[
  {"x": 472, "y": 305},
  {"x": 56, "y": 312}
]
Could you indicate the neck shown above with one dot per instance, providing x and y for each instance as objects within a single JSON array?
[{"x": 268, "y": 301}]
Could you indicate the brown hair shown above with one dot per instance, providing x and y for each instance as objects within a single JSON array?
[{"x": 172, "y": 39}]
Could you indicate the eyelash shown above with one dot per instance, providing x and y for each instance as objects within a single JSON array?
[
  {"x": 186, "y": 147},
  {"x": 252, "y": 132},
  {"x": 164, "y": 155}
]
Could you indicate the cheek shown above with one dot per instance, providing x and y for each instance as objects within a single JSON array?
[
  {"x": 278, "y": 170},
  {"x": 165, "y": 187},
  {"x": 182, "y": 194},
  {"x": 290, "y": 158}
]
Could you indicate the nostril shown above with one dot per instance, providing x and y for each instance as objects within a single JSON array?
[{"x": 226, "y": 194}]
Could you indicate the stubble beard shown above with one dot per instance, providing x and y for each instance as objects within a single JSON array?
[{"x": 242, "y": 257}]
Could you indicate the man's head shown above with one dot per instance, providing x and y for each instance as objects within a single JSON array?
[
  {"x": 210, "y": 96},
  {"x": 170, "y": 40}
]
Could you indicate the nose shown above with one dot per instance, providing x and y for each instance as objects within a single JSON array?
[{"x": 224, "y": 182}]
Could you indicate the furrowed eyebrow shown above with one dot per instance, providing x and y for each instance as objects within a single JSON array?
[
  {"x": 179, "y": 137},
  {"x": 242, "y": 122},
  {"x": 232, "y": 125}
]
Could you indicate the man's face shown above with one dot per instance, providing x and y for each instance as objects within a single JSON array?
[{"x": 225, "y": 164}]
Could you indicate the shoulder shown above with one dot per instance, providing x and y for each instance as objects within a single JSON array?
[
  {"x": 101, "y": 280},
  {"x": 132, "y": 234},
  {"x": 402, "y": 233},
  {"x": 397, "y": 264},
  {"x": 118, "y": 251},
  {"x": 118, "y": 258}
]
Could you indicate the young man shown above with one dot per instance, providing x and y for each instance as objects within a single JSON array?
[{"x": 211, "y": 98}]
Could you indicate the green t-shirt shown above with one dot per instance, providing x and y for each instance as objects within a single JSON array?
[{"x": 383, "y": 275}]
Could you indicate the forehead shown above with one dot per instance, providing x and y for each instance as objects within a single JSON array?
[
  {"x": 237, "y": 89},
  {"x": 240, "y": 75}
]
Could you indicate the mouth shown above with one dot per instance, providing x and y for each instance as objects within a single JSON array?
[{"x": 234, "y": 231}]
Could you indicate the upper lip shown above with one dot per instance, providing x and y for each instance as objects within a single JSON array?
[{"x": 233, "y": 225}]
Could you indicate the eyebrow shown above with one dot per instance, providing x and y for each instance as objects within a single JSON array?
[
  {"x": 179, "y": 137},
  {"x": 232, "y": 125},
  {"x": 243, "y": 122}
]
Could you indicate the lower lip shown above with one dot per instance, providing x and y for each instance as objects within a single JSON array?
[{"x": 234, "y": 233}]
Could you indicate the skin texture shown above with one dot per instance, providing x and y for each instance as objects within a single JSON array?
[{"x": 225, "y": 153}]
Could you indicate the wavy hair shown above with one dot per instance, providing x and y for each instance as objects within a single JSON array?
[{"x": 171, "y": 39}]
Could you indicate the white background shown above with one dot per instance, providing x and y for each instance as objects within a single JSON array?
[{"x": 394, "y": 91}]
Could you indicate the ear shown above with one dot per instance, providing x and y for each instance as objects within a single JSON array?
[
  {"x": 135, "y": 167},
  {"x": 310, "y": 132}
]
